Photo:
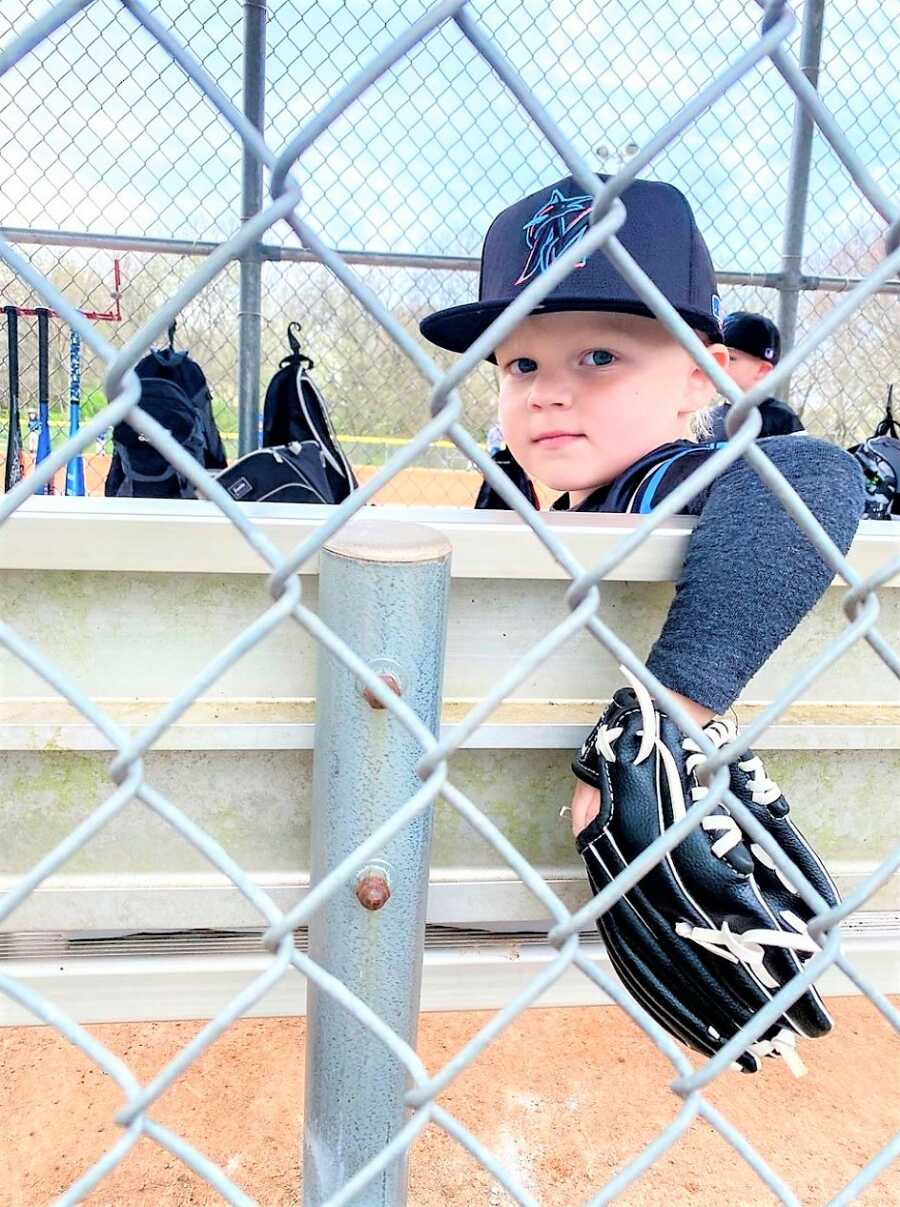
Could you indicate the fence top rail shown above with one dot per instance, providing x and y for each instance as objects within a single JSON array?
[
  {"x": 190, "y": 536},
  {"x": 162, "y": 245}
]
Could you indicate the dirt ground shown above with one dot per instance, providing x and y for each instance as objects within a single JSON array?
[{"x": 564, "y": 1097}]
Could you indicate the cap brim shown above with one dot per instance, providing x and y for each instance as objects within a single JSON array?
[{"x": 458, "y": 327}]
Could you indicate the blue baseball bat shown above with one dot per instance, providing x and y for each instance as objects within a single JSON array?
[{"x": 75, "y": 468}]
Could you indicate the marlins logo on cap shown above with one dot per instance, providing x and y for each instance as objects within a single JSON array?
[{"x": 552, "y": 230}]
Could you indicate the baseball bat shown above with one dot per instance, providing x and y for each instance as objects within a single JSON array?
[
  {"x": 15, "y": 459},
  {"x": 44, "y": 443},
  {"x": 75, "y": 468}
]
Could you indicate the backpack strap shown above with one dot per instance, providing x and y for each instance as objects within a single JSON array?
[
  {"x": 326, "y": 438},
  {"x": 888, "y": 425},
  {"x": 654, "y": 483},
  {"x": 123, "y": 487}
]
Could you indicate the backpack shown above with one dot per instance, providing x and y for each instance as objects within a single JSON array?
[
  {"x": 291, "y": 473},
  {"x": 137, "y": 470},
  {"x": 879, "y": 457},
  {"x": 294, "y": 412},
  {"x": 183, "y": 370}
]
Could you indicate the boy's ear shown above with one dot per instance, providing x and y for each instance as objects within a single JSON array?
[{"x": 700, "y": 390}]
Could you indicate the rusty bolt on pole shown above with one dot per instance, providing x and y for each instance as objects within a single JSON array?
[
  {"x": 390, "y": 681},
  {"x": 373, "y": 888}
]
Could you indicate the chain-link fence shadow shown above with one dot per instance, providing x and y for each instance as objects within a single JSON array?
[{"x": 293, "y": 202}]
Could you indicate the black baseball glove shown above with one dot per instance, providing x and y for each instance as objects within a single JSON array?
[{"x": 707, "y": 937}]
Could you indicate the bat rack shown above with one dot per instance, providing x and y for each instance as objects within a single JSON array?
[
  {"x": 97, "y": 316},
  {"x": 74, "y": 468}
]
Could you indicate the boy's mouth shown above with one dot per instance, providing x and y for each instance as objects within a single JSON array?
[{"x": 557, "y": 439}]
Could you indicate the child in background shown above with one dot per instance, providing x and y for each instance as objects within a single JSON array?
[{"x": 754, "y": 349}]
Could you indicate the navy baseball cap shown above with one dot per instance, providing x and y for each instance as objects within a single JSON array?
[
  {"x": 754, "y": 334},
  {"x": 659, "y": 232}
]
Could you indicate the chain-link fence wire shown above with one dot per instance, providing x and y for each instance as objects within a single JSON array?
[
  {"x": 289, "y": 204},
  {"x": 103, "y": 135},
  {"x": 374, "y": 389}
]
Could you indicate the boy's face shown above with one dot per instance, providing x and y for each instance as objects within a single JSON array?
[
  {"x": 585, "y": 394},
  {"x": 746, "y": 370}
]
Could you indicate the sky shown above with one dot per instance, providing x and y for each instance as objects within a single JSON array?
[{"x": 100, "y": 131}]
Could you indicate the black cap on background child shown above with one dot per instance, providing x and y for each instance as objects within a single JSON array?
[
  {"x": 754, "y": 334},
  {"x": 659, "y": 232}
]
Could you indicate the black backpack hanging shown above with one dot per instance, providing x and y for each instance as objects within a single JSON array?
[
  {"x": 295, "y": 412},
  {"x": 183, "y": 370},
  {"x": 301, "y": 461},
  {"x": 879, "y": 457},
  {"x": 172, "y": 385},
  {"x": 138, "y": 470}
]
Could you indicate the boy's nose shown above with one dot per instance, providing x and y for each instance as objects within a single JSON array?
[{"x": 549, "y": 392}]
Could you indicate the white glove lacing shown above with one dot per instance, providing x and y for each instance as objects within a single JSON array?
[
  {"x": 749, "y": 946},
  {"x": 763, "y": 790},
  {"x": 783, "y": 1044}
]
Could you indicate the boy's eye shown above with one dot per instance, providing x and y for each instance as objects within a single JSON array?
[
  {"x": 522, "y": 364},
  {"x": 598, "y": 357}
]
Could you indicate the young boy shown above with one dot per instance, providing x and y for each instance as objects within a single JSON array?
[
  {"x": 754, "y": 349},
  {"x": 34, "y": 432},
  {"x": 597, "y": 400}
]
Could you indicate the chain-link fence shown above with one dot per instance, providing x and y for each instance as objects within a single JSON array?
[
  {"x": 107, "y": 153},
  {"x": 499, "y": 61}
]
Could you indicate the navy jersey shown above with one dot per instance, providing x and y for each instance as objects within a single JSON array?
[{"x": 639, "y": 488}]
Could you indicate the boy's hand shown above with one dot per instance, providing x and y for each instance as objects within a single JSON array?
[
  {"x": 585, "y": 805},
  {"x": 586, "y": 798}
]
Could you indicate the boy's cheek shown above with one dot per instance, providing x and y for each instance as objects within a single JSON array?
[
  {"x": 518, "y": 442},
  {"x": 511, "y": 422}
]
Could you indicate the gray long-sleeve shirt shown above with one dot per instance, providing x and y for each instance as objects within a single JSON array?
[{"x": 750, "y": 574}]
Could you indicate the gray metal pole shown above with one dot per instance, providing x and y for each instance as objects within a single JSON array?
[
  {"x": 250, "y": 311},
  {"x": 384, "y": 589},
  {"x": 798, "y": 180}
]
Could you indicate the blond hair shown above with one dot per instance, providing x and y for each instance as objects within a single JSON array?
[{"x": 701, "y": 425}]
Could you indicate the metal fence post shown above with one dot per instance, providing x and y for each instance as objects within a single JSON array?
[
  {"x": 383, "y": 589},
  {"x": 250, "y": 305},
  {"x": 798, "y": 181}
]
